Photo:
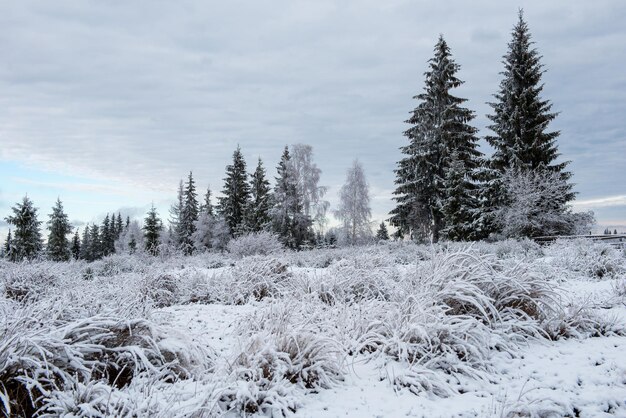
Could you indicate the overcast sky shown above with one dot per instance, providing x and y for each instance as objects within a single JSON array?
[{"x": 108, "y": 104}]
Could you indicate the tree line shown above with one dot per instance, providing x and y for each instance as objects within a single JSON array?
[{"x": 446, "y": 188}]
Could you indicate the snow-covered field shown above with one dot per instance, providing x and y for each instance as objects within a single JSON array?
[{"x": 484, "y": 330}]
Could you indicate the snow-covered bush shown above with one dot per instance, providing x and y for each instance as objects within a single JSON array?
[
  {"x": 270, "y": 369},
  {"x": 257, "y": 243},
  {"x": 256, "y": 278},
  {"x": 28, "y": 281},
  {"x": 590, "y": 259},
  {"x": 161, "y": 290},
  {"x": 40, "y": 354}
]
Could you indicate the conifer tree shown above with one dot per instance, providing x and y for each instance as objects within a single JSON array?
[
  {"x": 132, "y": 245},
  {"x": 233, "y": 204},
  {"x": 7, "y": 245},
  {"x": 175, "y": 213},
  {"x": 95, "y": 243},
  {"x": 259, "y": 206},
  {"x": 521, "y": 137},
  {"x": 58, "y": 247},
  {"x": 288, "y": 220},
  {"x": 85, "y": 248},
  {"x": 107, "y": 236},
  {"x": 439, "y": 127},
  {"x": 152, "y": 231},
  {"x": 460, "y": 204},
  {"x": 188, "y": 216},
  {"x": 382, "y": 234},
  {"x": 26, "y": 242},
  {"x": 207, "y": 206},
  {"x": 75, "y": 248},
  {"x": 119, "y": 226}
]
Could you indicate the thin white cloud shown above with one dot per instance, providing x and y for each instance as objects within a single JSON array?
[{"x": 601, "y": 202}]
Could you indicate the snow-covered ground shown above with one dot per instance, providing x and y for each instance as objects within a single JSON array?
[{"x": 493, "y": 330}]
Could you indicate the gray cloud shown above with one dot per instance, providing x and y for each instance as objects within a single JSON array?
[{"x": 143, "y": 92}]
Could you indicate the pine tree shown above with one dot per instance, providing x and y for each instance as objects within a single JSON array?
[
  {"x": 127, "y": 222},
  {"x": 7, "y": 246},
  {"x": 382, "y": 234},
  {"x": 95, "y": 243},
  {"x": 188, "y": 216},
  {"x": 152, "y": 231},
  {"x": 520, "y": 119},
  {"x": 354, "y": 206},
  {"x": 207, "y": 206},
  {"x": 58, "y": 247},
  {"x": 259, "y": 206},
  {"x": 175, "y": 213},
  {"x": 439, "y": 127},
  {"x": 75, "y": 248},
  {"x": 119, "y": 226},
  {"x": 107, "y": 236},
  {"x": 460, "y": 205},
  {"x": 288, "y": 220},
  {"x": 85, "y": 248},
  {"x": 132, "y": 245},
  {"x": 26, "y": 242},
  {"x": 232, "y": 206}
]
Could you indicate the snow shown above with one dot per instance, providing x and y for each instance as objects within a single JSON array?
[{"x": 353, "y": 325}]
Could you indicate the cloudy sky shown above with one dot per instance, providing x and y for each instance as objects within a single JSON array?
[{"x": 108, "y": 104}]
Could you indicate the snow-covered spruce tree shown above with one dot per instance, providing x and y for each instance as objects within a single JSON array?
[
  {"x": 152, "y": 231},
  {"x": 382, "y": 234},
  {"x": 288, "y": 220},
  {"x": 188, "y": 216},
  {"x": 58, "y": 247},
  {"x": 119, "y": 226},
  {"x": 26, "y": 242},
  {"x": 307, "y": 176},
  {"x": 236, "y": 194},
  {"x": 175, "y": 211},
  {"x": 107, "y": 237},
  {"x": 354, "y": 206},
  {"x": 460, "y": 207},
  {"x": 85, "y": 245},
  {"x": 131, "y": 240},
  {"x": 439, "y": 127},
  {"x": 206, "y": 206},
  {"x": 6, "y": 249},
  {"x": 520, "y": 119},
  {"x": 95, "y": 243},
  {"x": 75, "y": 246},
  {"x": 260, "y": 203}
]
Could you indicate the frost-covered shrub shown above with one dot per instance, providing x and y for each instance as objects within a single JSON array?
[
  {"x": 27, "y": 281},
  {"x": 40, "y": 354},
  {"x": 272, "y": 367},
  {"x": 587, "y": 258},
  {"x": 581, "y": 322},
  {"x": 161, "y": 290},
  {"x": 256, "y": 278},
  {"x": 257, "y": 243},
  {"x": 365, "y": 276}
]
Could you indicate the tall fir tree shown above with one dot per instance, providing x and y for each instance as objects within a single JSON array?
[
  {"x": 207, "y": 206},
  {"x": 288, "y": 220},
  {"x": 85, "y": 247},
  {"x": 175, "y": 213},
  {"x": 260, "y": 204},
  {"x": 236, "y": 194},
  {"x": 95, "y": 243},
  {"x": 7, "y": 246},
  {"x": 188, "y": 216},
  {"x": 75, "y": 246},
  {"x": 460, "y": 204},
  {"x": 152, "y": 231},
  {"x": 26, "y": 242},
  {"x": 119, "y": 226},
  {"x": 521, "y": 137},
  {"x": 58, "y": 247},
  {"x": 439, "y": 127},
  {"x": 107, "y": 236}
]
